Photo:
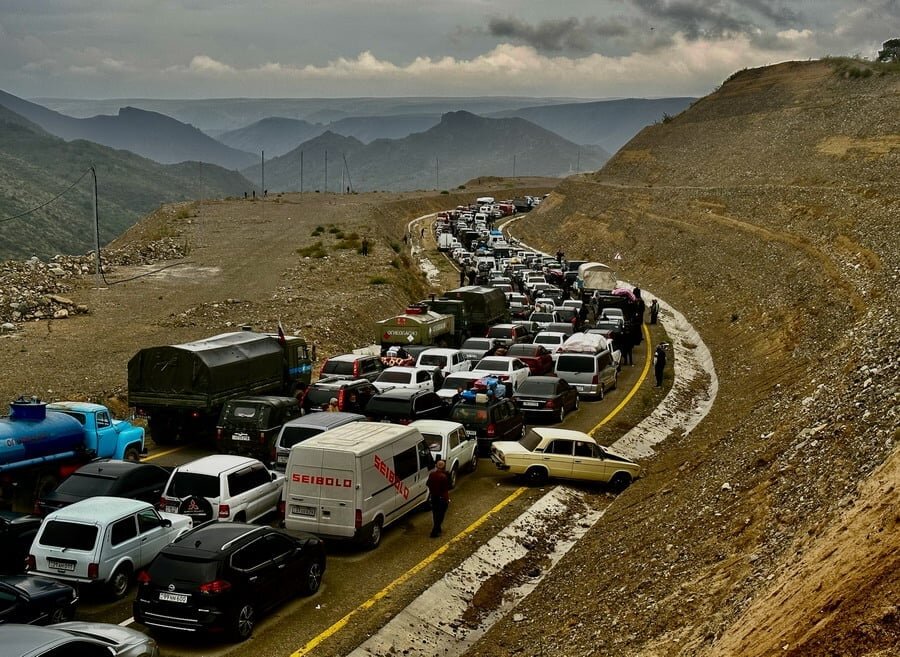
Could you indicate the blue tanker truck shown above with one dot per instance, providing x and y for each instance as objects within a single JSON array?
[{"x": 41, "y": 444}]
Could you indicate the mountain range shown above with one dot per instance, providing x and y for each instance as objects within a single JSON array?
[{"x": 461, "y": 146}]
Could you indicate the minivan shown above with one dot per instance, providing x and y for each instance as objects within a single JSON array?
[
  {"x": 296, "y": 431},
  {"x": 592, "y": 374}
]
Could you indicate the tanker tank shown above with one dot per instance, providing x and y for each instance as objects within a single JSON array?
[{"x": 31, "y": 435}]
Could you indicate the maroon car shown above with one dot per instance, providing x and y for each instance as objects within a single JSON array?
[{"x": 536, "y": 356}]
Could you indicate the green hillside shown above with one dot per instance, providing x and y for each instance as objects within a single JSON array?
[{"x": 35, "y": 167}]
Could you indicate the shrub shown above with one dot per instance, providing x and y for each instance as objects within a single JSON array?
[
  {"x": 312, "y": 251},
  {"x": 334, "y": 230},
  {"x": 444, "y": 191},
  {"x": 318, "y": 231},
  {"x": 395, "y": 246},
  {"x": 378, "y": 280}
]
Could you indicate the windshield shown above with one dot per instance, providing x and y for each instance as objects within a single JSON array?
[
  {"x": 469, "y": 414},
  {"x": 492, "y": 365},
  {"x": 575, "y": 363},
  {"x": 500, "y": 332},
  {"x": 338, "y": 367},
  {"x": 293, "y": 435},
  {"x": 69, "y": 535},
  {"x": 477, "y": 343},
  {"x": 85, "y": 485},
  {"x": 393, "y": 377},
  {"x": 547, "y": 339},
  {"x": 185, "y": 484},
  {"x": 530, "y": 440},
  {"x": 319, "y": 396}
]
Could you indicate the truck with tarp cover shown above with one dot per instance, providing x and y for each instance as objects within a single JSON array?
[
  {"x": 416, "y": 326},
  {"x": 485, "y": 306},
  {"x": 595, "y": 276},
  {"x": 182, "y": 388}
]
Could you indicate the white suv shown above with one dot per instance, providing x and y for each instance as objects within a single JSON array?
[
  {"x": 230, "y": 488},
  {"x": 102, "y": 540}
]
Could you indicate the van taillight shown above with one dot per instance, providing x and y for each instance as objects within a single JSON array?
[
  {"x": 30, "y": 563},
  {"x": 357, "y": 521},
  {"x": 224, "y": 511},
  {"x": 143, "y": 577},
  {"x": 491, "y": 430},
  {"x": 216, "y": 586},
  {"x": 93, "y": 570}
]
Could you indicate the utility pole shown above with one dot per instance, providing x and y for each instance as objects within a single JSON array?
[
  {"x": 301, "y": 172},
  {"x": 437, "y": 179},
  {"x": 326, "y": 173},
  {"x": 262, "y": 162},
  {"x": 96, "y": 229},
  {"x": 578, "y": 165},
  {"x": 342, "y": 179},
  {"x": 347, "y": 169},
  {"x": 514, "y": 166},
  {"x": 200, "y": 185}
]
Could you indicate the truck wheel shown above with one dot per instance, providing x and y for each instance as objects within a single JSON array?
[
  {"x": 119, "y": 582},
  {"x": 132, "y": 454}
]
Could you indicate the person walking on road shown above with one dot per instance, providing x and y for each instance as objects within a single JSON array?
[
  {"x": 654, "y": 311},
  {"x": 462, "y": 276},
  {"x": 439, "y": 494},
  {"x": 365, "y": 246},
  {"x": 659, "y": 360}
]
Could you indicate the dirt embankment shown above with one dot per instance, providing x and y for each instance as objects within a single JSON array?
[{"x": 772, "y": 528}]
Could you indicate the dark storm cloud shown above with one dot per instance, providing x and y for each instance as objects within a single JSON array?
[
  {"x": 714, "y": 18},
  {"x": 556, "y": 35}
]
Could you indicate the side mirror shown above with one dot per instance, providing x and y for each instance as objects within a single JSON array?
[
  {"x": 166, "y": 522},
  {"x": 273, "y": 475}
]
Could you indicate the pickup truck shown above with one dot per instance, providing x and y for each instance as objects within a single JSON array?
[{"x": 564, "y": 454}]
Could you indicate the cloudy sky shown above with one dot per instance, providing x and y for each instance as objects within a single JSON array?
[{"x": 309, "y": 48}]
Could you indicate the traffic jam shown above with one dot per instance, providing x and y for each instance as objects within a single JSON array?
[{"x": 138, "y": 553}]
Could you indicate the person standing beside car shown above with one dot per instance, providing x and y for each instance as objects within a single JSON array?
[
  {"x": 439, "y": 495},
  {"x": 659, "y": 360}
]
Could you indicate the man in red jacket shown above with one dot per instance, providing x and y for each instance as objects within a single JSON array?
[{"x": 439, "y": 488}]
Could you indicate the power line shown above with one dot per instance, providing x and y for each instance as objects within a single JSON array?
[{"x": 43, "y": 205}]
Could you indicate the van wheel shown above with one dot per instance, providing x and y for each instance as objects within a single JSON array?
[
  {"x": 375, "y": 534},
  {"x": 454, "y": 474},
  {"x": 244, "y": 620},
  {"x": 119, "y": 582},
  {"x": 536, "y": 476},
  {"x": 312, "y": 578}
]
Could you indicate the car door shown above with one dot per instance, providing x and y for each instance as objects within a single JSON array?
[
  {"x": 153, "y": 536},
  {"x": 120, "y": 542},
  {"x": 107, "y": 436},
  {"x": 589, "y": 463},
  {"x": 519, "y": 373},
  {"x": 254, "y": 564},
  {"x": 12, "y": 606},
  {"x": 287, "y": 565},
  {"x": 264, "y": 493},
  {"x": 557, "y": 456}
]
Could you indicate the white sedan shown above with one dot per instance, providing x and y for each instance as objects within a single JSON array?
[{"x": 506, "y": 368}]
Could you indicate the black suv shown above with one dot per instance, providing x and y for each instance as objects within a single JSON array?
[
  {"x": 405, "y": 405},
  {"x": 490, "y": 420},
  {"x": 248, "y": 426},
  {"x": 352, "y": 394},
  {"x": 219, "y": 576}
]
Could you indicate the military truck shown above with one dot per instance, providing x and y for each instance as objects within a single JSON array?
[
  {"x": 182, "y": 388},
  {"x": 485, "y": 306},
  {"x": 460, "y": 311},
  {"x": 416, "y": 326}
]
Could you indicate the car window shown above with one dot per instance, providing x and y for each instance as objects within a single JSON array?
[
  {"x": 293, "y": 435},
  {"x": 337, "y": 367},
  {"x": 103, "y": 420},
  {"x": 435, "y": 441},
  {"x": 406, "y": 463},
  {"x": 185, "y": 484},
  {"x": 147, "y": 475},
  {"x": 77, "y": 648},
  {"x": 559, "y": 447},
  {"x": 454, "y": 439},
  {"x": 123, "y": 530},
  {"x": 388, "y": 376},
  {"x": 148, "y": 519},
  {"x": 422, "y": 377},
  {"x": 259, "y": 476},
  {"x": 425, "y": 458},
  {"x": 239, "y": 482},
  {"x": 86, "y": 485},
  {"x": 584, "y": 449},
  {"x": 279, "y": 546},
  {"x": 433, "y": 359},
  {"x": 469, "y": 414},
  {"x": 69, "y": 535},
  {"x": 251, "y": 556}
]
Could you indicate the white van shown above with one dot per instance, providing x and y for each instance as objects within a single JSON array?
[{"x": 353, "y": 481}]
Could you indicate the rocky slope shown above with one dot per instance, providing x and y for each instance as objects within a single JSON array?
[{"x": 767, "y": 213}]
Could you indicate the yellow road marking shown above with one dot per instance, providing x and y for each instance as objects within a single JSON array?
[
  {"x": 340, "y": 624},
  {"x": 634, "y": 388},
  {"x": 165, "y": 452}
]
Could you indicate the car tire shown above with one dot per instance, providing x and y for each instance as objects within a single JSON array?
[
  {"x": 132, "y": 454},
  {"x": 375, "y": 532},
  {"x": 602, "y": 393},
  {"x": 536, "y": 476},
  {"x": 575, "y": 405},
  {"x": 562, "y": 413},
  {"x": 620, "y": 481},
  {"x": 454, "y": 475},
  {"x": 60, "y": 615},
  {"x": 473, "y": 464},
  {"x": 243, "y": 622},
  {"x": 241, "y": 517},
  {"x": 312, "y": 578},
  {"x": 119, "y": 582}
]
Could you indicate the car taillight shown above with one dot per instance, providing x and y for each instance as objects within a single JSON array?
[
  {"x": 262, "y": 438},
  {"x": 550, "y": 403},
  {"x": 143, "y": 577},
  {"x": 282, "y": 509},
  {"x": 491, "y": 430},
  {"x": 274, "y": 453},
  {"x": 162, "y": 503},
  {"x": 216, "y": 586},
  {"x": 218, "y": 433},
  {"x": 342, "y": 397},
  {"x": 357, "y": 521},
  {"x": 595, "y": 379},
  {"x": 37, "y": 509},
  {"x": 404, "y": 421},
  {"x": 356, "y": 369},
  {"x": 30, "y": 563},
  {"x": 93, "y": 570},
  {"x": 224, "y": 510}
]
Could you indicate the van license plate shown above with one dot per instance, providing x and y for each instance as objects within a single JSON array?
[
  {"x": 243, "y": 437},
  {"x": 165, "y": 596},
  {"x": 61, "y": 565},
  {"x": 303, "y": 510}
]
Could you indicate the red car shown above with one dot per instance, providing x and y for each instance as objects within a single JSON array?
[{"x": 538, "y": 359}]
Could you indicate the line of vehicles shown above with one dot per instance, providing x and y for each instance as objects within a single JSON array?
[{"x": 453, "y": 377}]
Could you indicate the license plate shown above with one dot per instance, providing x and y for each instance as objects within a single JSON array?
[
  {"x": 282, "y": 458},
  {"x": 165, "y": 596},
  {"x": 531, "y": 404},
  {"x": 171, "y": 509},
  {"x": 309, "y": 511},
  {"x": 471, "y": 433},
  {"x": 60, "y": 565},
  {"x": 243, "y": 437}
]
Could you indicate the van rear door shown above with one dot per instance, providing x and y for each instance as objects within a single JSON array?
[
  {"x": 302, "y": 492},
  {"x": 337, "y": 511}
]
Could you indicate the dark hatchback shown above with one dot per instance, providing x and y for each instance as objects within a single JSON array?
[
  {"x": 17, "y": 531},
  {"x": 137, "y": 481},
  {"x": 219, "y": 577},
  {"x": 546, "y": 397},
  {"x": 35, "y": 600},
  {"x": 404, "y": 405}
]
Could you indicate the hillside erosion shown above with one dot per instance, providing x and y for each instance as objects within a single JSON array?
[{"x": 767, "y": 213}]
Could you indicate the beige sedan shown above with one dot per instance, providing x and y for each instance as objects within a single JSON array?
[{"x": 564, "y": 454}]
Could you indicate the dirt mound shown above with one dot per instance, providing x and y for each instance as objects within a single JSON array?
[{"x": 767, "y": 214}]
